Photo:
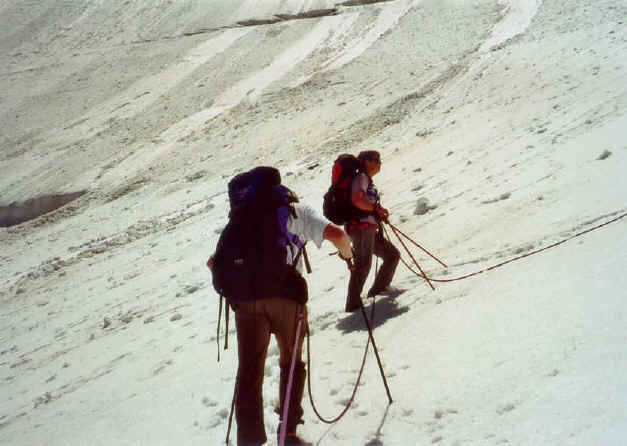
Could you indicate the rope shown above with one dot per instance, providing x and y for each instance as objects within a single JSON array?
[
  {"x": 396, "y": 231},
  {"x": 352, "y": 398},
  {"x": 429, "y": 280},
  {"x": 422, "y": 273},
  {"x": 403, "y": 260},
  {"x": 476, "y": 273}
]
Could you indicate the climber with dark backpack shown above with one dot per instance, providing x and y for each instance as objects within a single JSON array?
[
  {"x": 256, "y": 267},
  {"x": 251, "y": 255},
  {"x": 353, "y": 200}
]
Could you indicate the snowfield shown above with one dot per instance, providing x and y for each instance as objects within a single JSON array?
[{"x": 501, "y": 125}]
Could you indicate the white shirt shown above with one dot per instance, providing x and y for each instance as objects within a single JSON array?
[{"x": 308, "y": 226}]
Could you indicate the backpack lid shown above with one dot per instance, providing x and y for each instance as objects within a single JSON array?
[
  {"x": 252, "y": 186},
  {"x": 346, "y": 165}
]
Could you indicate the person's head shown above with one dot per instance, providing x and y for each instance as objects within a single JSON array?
[{"x": 371, "y": 162}]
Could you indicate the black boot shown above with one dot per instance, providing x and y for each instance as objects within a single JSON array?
[
  {"x": 353, "y": 304},
  {"x": 291, "y": 439}
]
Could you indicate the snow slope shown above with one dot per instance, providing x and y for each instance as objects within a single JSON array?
[{"x": 501, "y": 125}]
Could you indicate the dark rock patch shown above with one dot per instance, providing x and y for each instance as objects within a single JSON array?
[{"x": 17, "y": 213}]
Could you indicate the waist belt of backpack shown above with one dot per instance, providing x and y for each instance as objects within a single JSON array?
[{"x": 352, "y": 225}]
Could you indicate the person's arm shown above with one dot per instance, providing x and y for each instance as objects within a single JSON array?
[
  {"x": 309, "y": 226},
  {"x": 360, "y": 201},
  {"x": 210, "y": 263},
  {"x": 340, "y": 239}
]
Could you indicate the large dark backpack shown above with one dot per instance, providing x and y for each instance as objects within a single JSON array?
[
  {"x": 336, "y": 205},
  {"x": 250, "y": 261}
]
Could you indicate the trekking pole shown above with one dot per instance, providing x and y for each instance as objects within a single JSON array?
[
  {"x": 288, "y": 391},
  {"x": 228, "y": 431},
  {"x": 218, "y": 330},
  {"x": 394, "y": 228},
  {"x": 410, "y": 255},
  {"x": 376, "y": 352}
]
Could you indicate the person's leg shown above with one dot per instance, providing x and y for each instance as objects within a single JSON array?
[
  {"x": 284, "y": 322},
  {"x": 253, "y": 336},
  {"x": 363, "y": 247},
  {"x": 387, "y": 251}
]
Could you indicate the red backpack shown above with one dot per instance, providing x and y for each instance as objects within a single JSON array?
[{"x": 337, "y": 206}]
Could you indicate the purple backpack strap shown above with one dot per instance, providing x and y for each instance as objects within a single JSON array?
[{"x": 285, "y": 236}]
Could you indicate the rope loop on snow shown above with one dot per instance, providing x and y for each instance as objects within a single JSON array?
[{"x": 352, "y": 397}]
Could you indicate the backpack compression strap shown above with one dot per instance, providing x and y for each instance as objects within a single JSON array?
[{"x": 302, "y": 251}]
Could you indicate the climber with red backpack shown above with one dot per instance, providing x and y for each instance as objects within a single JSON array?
[
  {"x": 353, "y": 200},
  {"x": 257, "y": 268}
]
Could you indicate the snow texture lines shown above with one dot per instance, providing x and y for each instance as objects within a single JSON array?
[
  {"x": 146, "y": 91},
  {"x": 518, "y": 17},
  {"x": 387, "y": 19},
  {"x": 252, "y": 87}
]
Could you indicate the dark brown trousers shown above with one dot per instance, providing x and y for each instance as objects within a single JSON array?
[
  {"x": 255, "y": 321},
  {"x": 366, "y": 242}
]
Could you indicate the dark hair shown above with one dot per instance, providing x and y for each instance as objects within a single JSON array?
[{"x": 368, "y": 155}]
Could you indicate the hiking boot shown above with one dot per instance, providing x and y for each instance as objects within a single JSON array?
[
  {"x": 353, "y": 305},
  {"x": 388, "y": 291},
  {"x": 292, "y": 440}
]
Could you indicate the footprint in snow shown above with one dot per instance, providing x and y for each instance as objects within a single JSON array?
[
  {"x": 504, "y": 196},
  {"x": 208, "y": 402},
  {"x": 506, "y": 408}
]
